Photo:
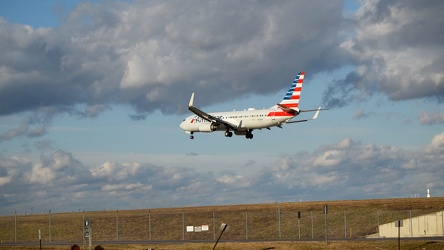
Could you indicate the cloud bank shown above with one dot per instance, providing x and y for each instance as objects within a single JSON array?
[
  {"x": 151, "y": 55},
  {"x": 343, "y": 170},
  {"x": 143, "y": 54}
]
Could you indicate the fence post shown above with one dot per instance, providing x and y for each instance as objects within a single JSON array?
[
  {"x": 149, "y": 225},
  {"x": 214, "y": 227},
  {"x": 299, "y": 224},
  {"x": 15, "y": 227},
  {"x": 312, "y": 229},
  {"x": 345, "y": 224},
  {"x": 377, "y": 216},
  {"x": 183, "y": 225},
  {"x": 279, "y": 221},
  {"x": 246, "y": 224},
  {"x": 49, "y": 216},
  {"x": 83, "y": 227},
  {"x": 326, "y": 224},
  {"x": 117, "y": 225}
]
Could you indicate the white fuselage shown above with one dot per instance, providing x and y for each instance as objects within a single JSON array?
[{"x": 243, "y": 120}]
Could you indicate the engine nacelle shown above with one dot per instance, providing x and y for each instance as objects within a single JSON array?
[{"x": 207, "y": 127}]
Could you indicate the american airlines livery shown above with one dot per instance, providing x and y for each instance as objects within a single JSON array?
[{"x": 245, "y": 121}]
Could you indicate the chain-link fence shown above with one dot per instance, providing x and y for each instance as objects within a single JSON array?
[{"x": 273, "y": 223}]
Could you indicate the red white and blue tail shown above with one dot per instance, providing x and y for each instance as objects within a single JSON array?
[{"x": 291, "y": 99}]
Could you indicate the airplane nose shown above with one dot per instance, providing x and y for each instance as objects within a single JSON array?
[{"x": 182, "y": 125}]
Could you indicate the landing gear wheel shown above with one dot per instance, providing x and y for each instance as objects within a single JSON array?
[
  {"x": 191, "y": 136},
  {"x": 249, "y": 135},
  {"x": 228, "y": 134}
]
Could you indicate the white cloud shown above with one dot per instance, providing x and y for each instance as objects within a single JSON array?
[
  {"x": 349, "y": 170},
  {"x": 326, "y": 180},
  {"x": 126, "y": 187},
  {"x": 436, "y": 147},
  {"x": 328, "y": 159},
  {"x": 431, "y": 118},
  {"x": 4, "y": 180},
  {"x": 41, "y": 175},
  {"x": 106, "y": 169},
  {"x": 232, "y": 181}
]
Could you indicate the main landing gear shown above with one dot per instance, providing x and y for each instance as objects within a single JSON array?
[
  {"x": 249, "y": 135},
  {"x": 228, "y": 133}
]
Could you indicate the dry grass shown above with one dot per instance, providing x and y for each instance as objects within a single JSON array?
[
  {"x": 255, "y": 222},
  {"x": 335, "y": 245}
]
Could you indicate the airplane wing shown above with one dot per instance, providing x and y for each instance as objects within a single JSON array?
[
  {"x": 208, "y": 117},
  {"x": 313, "y": 118}
]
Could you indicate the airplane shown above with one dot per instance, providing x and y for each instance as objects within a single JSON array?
[{"x": 245, "y": 121}]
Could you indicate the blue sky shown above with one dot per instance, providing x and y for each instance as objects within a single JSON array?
[{"x": 92, "y": 94}]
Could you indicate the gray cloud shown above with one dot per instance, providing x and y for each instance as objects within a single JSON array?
[
  {"x": 397, "y": 50},
  {"x": 343, "y": 170},
  {"x": 152, "y": 55},
  {"x": 34, "y": 124}
]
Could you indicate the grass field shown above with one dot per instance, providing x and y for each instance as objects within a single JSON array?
[
  {"x": 261, "y": 222},
  {"x": 335, "y": 245}
]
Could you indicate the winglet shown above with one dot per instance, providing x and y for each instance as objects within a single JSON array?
[
  {"x": 191, "y": 100},
  {"x": 305, "y": 120},
  {"x": 316, "y": 114}
]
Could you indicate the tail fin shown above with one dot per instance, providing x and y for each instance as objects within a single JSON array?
[{"x": 291, "y": 99}]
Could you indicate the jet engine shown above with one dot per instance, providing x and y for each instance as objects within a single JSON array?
[{"x": 207, "y": 127}]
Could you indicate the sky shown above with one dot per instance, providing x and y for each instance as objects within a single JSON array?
[{"x": 92, "y": 94}]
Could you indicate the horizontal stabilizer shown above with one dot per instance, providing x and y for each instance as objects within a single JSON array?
[
  {"x": 311, "y": 110},
  {"x": 313, "y": 118},
  {"x": 287, "y": 109}
]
